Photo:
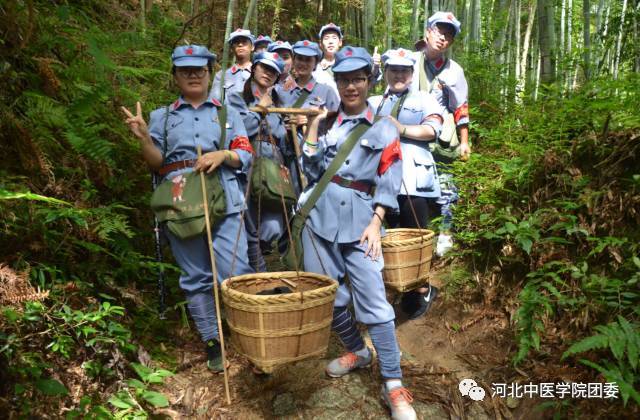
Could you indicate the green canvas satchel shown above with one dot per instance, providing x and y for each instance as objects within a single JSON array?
[
  {"x": 178, "y": 202},
  {"x": 293, "y": 259},
  {"x": 446, "y": 148},
  {"x": 270, "y": 179}
]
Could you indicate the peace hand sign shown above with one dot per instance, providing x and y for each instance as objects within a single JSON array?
[{"x": 136, "y": 123}]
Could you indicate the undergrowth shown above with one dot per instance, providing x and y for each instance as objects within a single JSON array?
[{"x": 551, "y": 204}]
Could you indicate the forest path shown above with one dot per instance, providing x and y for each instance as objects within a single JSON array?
[{"x": 454, "y": 341}]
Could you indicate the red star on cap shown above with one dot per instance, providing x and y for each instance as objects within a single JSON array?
[
  {"x": 450, "y": 16},
  {"x": 305, "y": 43},
  {"x": 260, "y": 37},
  {"x": 401, "y": 53},
  {"x": 279, "y": 42},
  {"x": 276, "y": 56},
  {"x": 189, "y": 51},
  {"x": 348, "y": 53}
]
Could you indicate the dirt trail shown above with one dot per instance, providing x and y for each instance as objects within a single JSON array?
[{"x": 453, "y": 342}]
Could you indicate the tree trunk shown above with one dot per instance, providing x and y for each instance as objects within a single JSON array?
[
  {"x": 586, "y": 28},
  {"x": 616, "y": 63},
  {"x": 504, "y": 13},
  {"x": 275, "y": 28},
  {"x": 426, "y": 12},
  {"x": 225, "y": 50},
  {"x": 247, "y": 17},
  {"x": 525, "y": 46},
  {"x": 371, "y": 20},
  {"x": 415, "y": 19},
  {"x": 389, "y": 23},
  {"x": 516, "y": 33},
  {"x": 546, "y": 31},
  {"x": 143, "y": 15}
]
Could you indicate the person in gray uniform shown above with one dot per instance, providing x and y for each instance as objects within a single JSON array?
[
  {"x": 418, "y": 116},
  {"x": 342, "y": 233},
  {"x": 262, "y": 43},
  {"x": 443, "y": 77},
  {"x": 169, "y": 146},
  {"x": 268, "y": 138},
  {"x": 305, "y": 93},
  {"x": 241, "y": 42}
]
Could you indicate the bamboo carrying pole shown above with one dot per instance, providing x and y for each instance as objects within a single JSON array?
[
  {"x": 296, "y": 148},
  {"x": 214, "y": 272},
  {"x": 292, "y": 111}
]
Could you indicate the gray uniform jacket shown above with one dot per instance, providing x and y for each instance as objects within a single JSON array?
[
  {"x": 234, "y": 79},
  {"x": 450, "y": 89},
  {"x": 341, "y": 214},
  {"x": 188, "y": 128},
  {"x": 418, "y": 166}
]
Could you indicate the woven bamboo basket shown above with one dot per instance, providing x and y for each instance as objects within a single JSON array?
[
  {"x": 407, "y": 258},
  {"x": 271, "y": 330}
]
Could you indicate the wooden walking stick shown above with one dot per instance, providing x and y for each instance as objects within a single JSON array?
[{"x": 214, "y": 272}]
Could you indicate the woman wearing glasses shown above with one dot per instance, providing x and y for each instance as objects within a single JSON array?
[
  {"x": 343, "y": 230},
  {"x": 418, "y": 117},
  {"x": 169, "y": 147}
]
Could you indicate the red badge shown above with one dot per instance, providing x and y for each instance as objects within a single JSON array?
[
  {"x": 189, "y": 51},
  {"x": 309, "y": 86},
  {"x": 390, "y": 154},
  {"x": 461, "y": 112},
  {"x": 401, "y": 53},
  {"x": 241, "y": 143},
  {"x": 450, "y": 16},
  {"x": 440, "y": 62},
  {"x": 234, "y": 69},
  {"x": 348, "y": 53},
  {"x": 369, "y": 114},
  {"x": 305, "y": 43},
  {"x": 276, "y": 56}
]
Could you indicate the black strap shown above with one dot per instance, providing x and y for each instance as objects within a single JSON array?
[{"x": 335, "y": 164}]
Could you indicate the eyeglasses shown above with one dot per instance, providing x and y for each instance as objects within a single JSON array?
[
  {"x": 447, "y": 33},
  {"x": 357, "y": 82},
  {"x": 188, "y": 71}
]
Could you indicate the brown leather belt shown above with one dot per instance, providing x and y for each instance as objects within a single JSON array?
[
  {"x": 362, "y": 186},
  {"x": 175, "y": 166}
]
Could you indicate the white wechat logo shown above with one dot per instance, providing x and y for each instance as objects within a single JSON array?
[{"x": 470, "y": 388}]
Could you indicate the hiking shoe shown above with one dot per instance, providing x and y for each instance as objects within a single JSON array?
[
  {"x": 399, "y": 401},
  {"x": 444, "y": 244},
  {"x": 214, "y": 356},
  {"x": 418, "y": 304},
  {"x": 346, "y": 363}
]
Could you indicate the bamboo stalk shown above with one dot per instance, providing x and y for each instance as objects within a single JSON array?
[
  {"x": 214, "y": 273},
  {"x": 296, "y": 148}
]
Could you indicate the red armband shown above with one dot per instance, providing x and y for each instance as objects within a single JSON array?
[
  {"x": 242, "y": 143},
  {"x": 390, "y": 154},
  {"x": 461, "y": 112}
]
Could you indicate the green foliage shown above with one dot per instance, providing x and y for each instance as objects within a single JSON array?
[
  {"x": 622, "y": 339},
  {"x": 130, "y": 401}
]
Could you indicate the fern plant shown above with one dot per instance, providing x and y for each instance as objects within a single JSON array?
[{"x": 622, "y": 339}]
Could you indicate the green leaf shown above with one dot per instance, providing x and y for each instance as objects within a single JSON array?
[
  {"x": 526, "y": 244},
  {"x": 155, "y": 398},
  {"x": 51, "y": 387},
  {"x": 586, "y": 344},
  {"x": 632, "y": 341},
  {"x": 117, "y": 402},
  {"x": 136, "y": 384},
  {"x": 8, "y": 195},
  {"x": 142, "y": 371}
]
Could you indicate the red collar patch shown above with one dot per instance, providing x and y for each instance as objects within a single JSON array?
[
  {"x": 439, "y": 63},
  {"x": 176, "y": 104},
  {"x": 369, "y": 115},
  {"x": 309, "y": 86}
]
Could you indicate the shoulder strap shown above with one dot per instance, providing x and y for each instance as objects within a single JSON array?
[
  {"x": 422, "y": 73},
  {"x": 397, "y": 107},
  {"x": 303, "y": 97},
  {"x": 222, "y": 120},
  {"x": 335, "y": 164},
  {"x": 165, "y": 133}
]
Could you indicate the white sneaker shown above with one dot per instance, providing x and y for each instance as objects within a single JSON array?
[
  {"x": 444, "y": 244},
  {"x": 399, "y": 402}
]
